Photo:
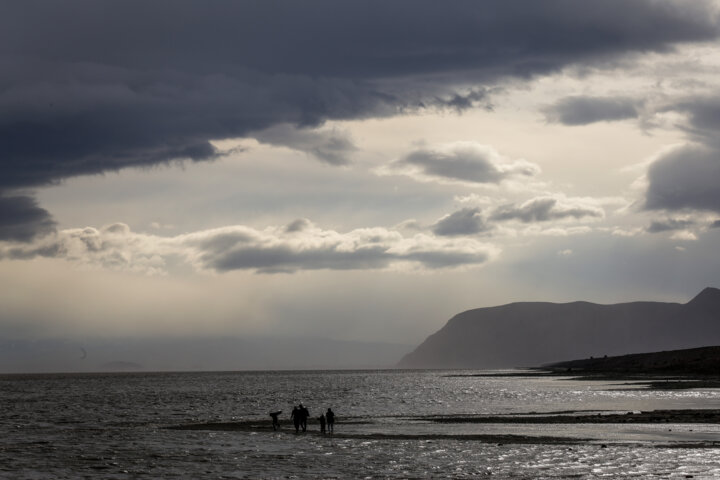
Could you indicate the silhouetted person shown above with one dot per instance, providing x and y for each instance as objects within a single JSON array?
[
  {"x": 304, "y": 414},
  {"x": 275, "y": 421},
  {"x": 330, "y": 417},
  {"x": 321, "y": 419},
  {"x": 295, "y": 415}
]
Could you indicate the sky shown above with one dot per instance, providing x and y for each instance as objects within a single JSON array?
[{"x": 357, "y": 171}]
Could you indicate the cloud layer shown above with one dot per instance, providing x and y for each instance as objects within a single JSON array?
[{"x": 297, "y": 246}]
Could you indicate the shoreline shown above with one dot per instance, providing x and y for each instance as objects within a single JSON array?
[
  {"x": 647, "y": 380},
  {"x": 688, "y": 416}
]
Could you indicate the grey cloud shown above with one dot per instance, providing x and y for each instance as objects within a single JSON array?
[
  {"x": 467, "y": 221},
  {"x": 283, "y": 259},
  {"x": 544, "y": 209},
  {"x": 668, "y": 225},
  {"x": 53, "y": 250},
  {"x": 685, "y": 178},
  {"x": 460, "y": 102},
  {"x": 715, "y": 224},
  {"x": 462, "y": 161},
  {"x": 21, "y": 219},
  {"x": 329, "y": 146},
  {"x": 225, "y": 240},
  {"x": 579, "y": 110},
  {"x": 117, "y": 228},
  {"x": 298, "y": 225},
  {"x": 459, "y": 166},
  {"x": 704, "y": 118},
  {"x": 439, "y": 259},
  {"x": 278, "y": 259}
]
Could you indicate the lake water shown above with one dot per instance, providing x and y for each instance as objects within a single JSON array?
[{"x": 115, "y": 426}]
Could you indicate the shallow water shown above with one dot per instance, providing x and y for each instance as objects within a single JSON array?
[{"x": 115, "y": 426}]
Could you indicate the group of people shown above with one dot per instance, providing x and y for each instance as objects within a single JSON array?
[{"x": 300, "y": 416}]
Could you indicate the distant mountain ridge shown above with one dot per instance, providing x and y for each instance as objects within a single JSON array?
[{"x": 535, "y": 333}]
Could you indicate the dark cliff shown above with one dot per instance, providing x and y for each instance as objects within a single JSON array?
[{"x": 534, "y": 333}]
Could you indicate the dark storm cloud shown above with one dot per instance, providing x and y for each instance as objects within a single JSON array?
[
  {"x": 685, "y": 178},
  {"x": 467, "y": 221},
  {"x": 544, "y": 209},
  {"x": 669, "y": 225},
  {"x": 90, "y": 86},
  {"x": 98, "y": 120},
  {"x": 22, "y": 220},
  {"x": 585, "y": 110}
]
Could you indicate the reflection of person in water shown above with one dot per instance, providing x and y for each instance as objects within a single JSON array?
[
  {"x": 330, "y": 417},
  {"x": 321, "y": 419},
  {"x": 275, "y": 421},
  {"x": 295, "y": 415}
]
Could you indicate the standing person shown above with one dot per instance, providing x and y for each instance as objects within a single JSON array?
[
  {"x": 330, "y": 417},
  {"x": 304, "y": 414},
  {"x": 295, "y": 415},
  {"x": 275, "y": 421},
  {"x": 321, "y": 419}
]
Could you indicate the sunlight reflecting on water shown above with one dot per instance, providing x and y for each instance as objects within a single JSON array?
[{"x": 68, "y": 426}]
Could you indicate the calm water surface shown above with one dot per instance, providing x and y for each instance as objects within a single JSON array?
[{"x": 115, "y": 426}]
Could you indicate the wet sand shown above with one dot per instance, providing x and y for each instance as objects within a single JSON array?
[
  {"x": 258, "y": 427},
  {"x": 669, "y": 417},
  {"x": 651, "y": 417},
  {"x": 648, "y": 381}
]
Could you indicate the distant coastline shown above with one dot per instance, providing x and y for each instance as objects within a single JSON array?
[{"x": 674, "y": 369}]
